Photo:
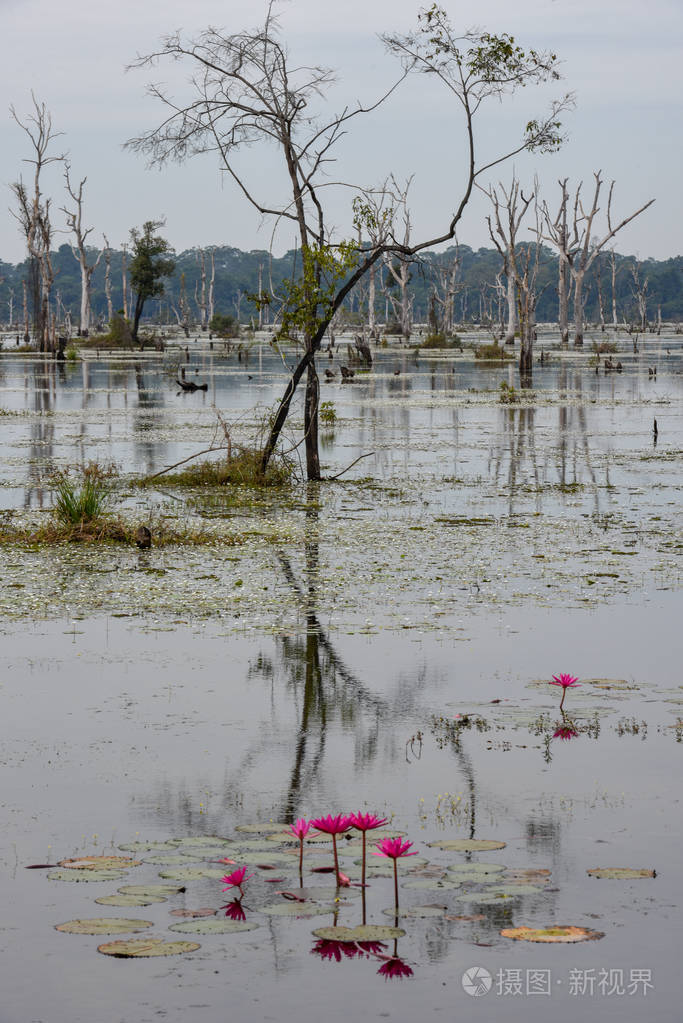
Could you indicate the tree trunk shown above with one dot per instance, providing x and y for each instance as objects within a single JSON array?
[
  {"x": 578, "y": 309},
  {"x": 139, "y": 303},
  {"x": 311, "y": 422},
  {"x": 511, "y": 298},
  {"x": 372, "y": 327},
  {"x": 563, "y": 300}
]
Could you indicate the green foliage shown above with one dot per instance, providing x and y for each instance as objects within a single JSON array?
[
  {"x": 439, "y": 340},
  {"x": 508, "y": 394},
  {"x": 84, "y": 501},
  {"x": 71, "y": 354},
  {"x": 328, "y": 413},
  {"x": 307, "y": 299},
  {"x": 224, "y": 324},
  {"x": 242, "y": 468},
  {"x": 494, "y": 351},
  {"x": 149, "y": 266}
]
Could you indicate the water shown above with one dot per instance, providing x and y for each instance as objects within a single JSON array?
[{"x": 147, "y": 696}]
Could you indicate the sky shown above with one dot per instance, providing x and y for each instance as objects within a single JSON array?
[{"x": 621, "y": 58}]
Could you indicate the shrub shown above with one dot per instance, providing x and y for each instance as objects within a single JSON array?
[
  {"x": 242, "y": 468},
  {"x": 439, "y": 340},
  {"x": 81, "y": 502},
  {"x": 224, "y": 325},
  {"x": 491, "y": 352},
  {"x": 328, "y": 413}
]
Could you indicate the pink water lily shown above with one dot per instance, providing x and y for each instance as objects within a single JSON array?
[
  {"x": 334, "y": 826},
  {"x": 365, "y": 822},
  {"x": 300, "y": 829},
  {"x": 327, "y": 948},
  {"x": 567, "y": 682},
  {"x": 236, "y": 879},
  {"x": 394, "y": 848}
]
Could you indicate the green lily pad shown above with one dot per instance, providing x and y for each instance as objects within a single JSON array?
[
  {"x": 141, "y": 948},
  {"x": 268, "y": 857},
  {"x": 470, "y": 879},
  {"x": 151, "y": 889},
  {"x": 210, "y": 925},
  {"x": 205, "y": 841},
  {"x": 468, "y": 844},
  {"x": 474, "y": 869},
  {"x": 99, "y": 863},
  {"x": 129, "y": 900},
  {"x": 169, "y": 859},
  {"x": 514, "y": 889},
  {"x": 380, "y": 862},
  {"x": 138, "y": 847},
  {"x": 621, "y": 873},
  {"x": 296, "y": 909},
  {"x": 252, "y": 844},
  {"x": 486, "y": 898},
  {"x": 370, "y": 932},
  {"x": 70, "y": 874},
  {"x": 432, "y": 884},
  {"x": 417, "y": 912},
  {"x": 609, "y": 683},
  {"x": 103, "y": 925},
  {"x": 557, "y": 933},
  {"x": 192, "y": 873},
  {"x": 260, "y": 829}
]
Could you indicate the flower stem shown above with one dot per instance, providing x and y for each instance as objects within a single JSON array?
[
  {"x": 364, "y": 833},
  {"x": 396, "y": 883},
  {"x": 336, "y": 859},
  {"x": 301, "y": 860}
]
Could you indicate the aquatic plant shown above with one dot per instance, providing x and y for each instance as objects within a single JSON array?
[
  {"x": 334, "y": 826},
  {"x": 80, "y": 505},
  {"x": 567, "y": 682},
  {"x": 300, "y": 829},
  {"x": 566, "y": 730},
  {"x": 365, "y": 822},
  {"x": 236, "y": 880},
  {"x": 395, "y": 967},
  {"x": 394, "y": 848}
]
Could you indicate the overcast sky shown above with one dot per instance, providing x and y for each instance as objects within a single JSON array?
[{"x": 622, "y": 58}]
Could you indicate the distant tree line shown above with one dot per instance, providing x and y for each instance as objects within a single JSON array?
[{"x": 477, "y": 279}]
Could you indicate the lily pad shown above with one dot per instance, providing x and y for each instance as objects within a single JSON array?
[
  {"x": 473, "y": 870},
  {"x": 151, "y": 889},
  {"x": 468, "y": 844},
  {"x": 138, "y": 847},
  {"x": 432, "y": 884},
  {"x": 367, "y": 933},
  {"x": 193, "y": 913},
  {"x": 621, "y": 873},
  {"x": 552, "y": 934},
  {"x": 609, "y": 683},
  {"x": 380, "y": 862},
  {"x": 513, "y": 889},
  {"x": 296, "y": 909},
  {"x": 486, "y": 898},
  {"x": 169, "y": 859},
  {"x": 129, "y": 900},
  {"x": 140, "y": 948},
  {"x": 259, "y": 858},
  {"x": 260, "y": 829},
  {"x": 192, "y": 873},
  {"x": 103, "y": 925},
  {"x": 71, "y": 874},
  {"x": 213, "y": 926},
  {"x": 100, "y": 863},
  {"x": 205, "y": 841},
  {"x": 417, "y": 912}
]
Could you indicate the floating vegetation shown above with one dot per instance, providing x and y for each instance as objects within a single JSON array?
[
  {"x": 142, "y": 948},
  {"x": 621, "y": 873},
  {"x": 364, "y": 933},
  {"x": 129, "y": 900},
  {"x": 467, "y": 844},
  {"x": 99, "y": 863},
  {"x": 213, "y": 926},
  {"x": 295, "y": 909},
  {"x": 103, "y": 925},
  {"x": 86, "y": 874},
  {"x": 557, "y": 934}
]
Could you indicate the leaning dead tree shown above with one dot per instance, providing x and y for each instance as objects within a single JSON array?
[
  {"x": 577, "y": 246},
  {"x": 33, "y": 215},
  {"x": 245, "y": 91},
  {"x": 74, "y": 220}
]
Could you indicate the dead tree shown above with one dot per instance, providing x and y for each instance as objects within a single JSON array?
[
  {"x": 445, "y": 270},
  {"x": 200, "y": 296},
  {"x": 510, "y": 207},
  {"x": 640, "y": 289},
  {"x": 212, "y": 281},
  {"x": 578, "y": 248},
  {"x": 557, "y": 233},
  {"x": 74, "y": 220},
  {"x": 107, "y": 279},
  {"x": 34, "y": 217},
  {"x": 245, "y": 91}
]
